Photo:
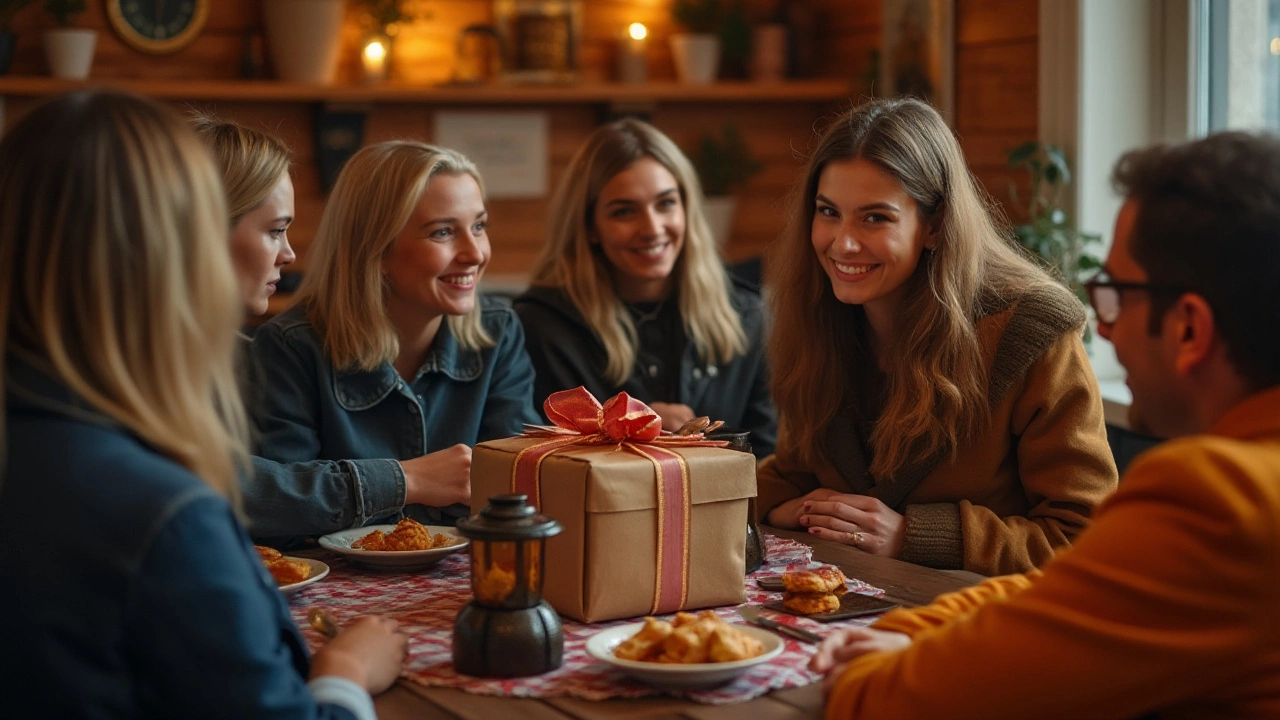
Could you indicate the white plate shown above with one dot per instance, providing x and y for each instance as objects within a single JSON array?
[
  {"x": 680, "y": 677},
  {"x": 318, "y": 571},
  {"x": 340, "y": 542}
]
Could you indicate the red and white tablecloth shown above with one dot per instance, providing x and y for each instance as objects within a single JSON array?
[{"x": 426, "y": 603}]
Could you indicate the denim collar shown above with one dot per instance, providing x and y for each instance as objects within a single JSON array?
[
  {"x": 362, "y": 389},
  {"x": 31, "y": 385}
]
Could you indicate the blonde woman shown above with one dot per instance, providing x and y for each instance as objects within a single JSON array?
[
  {"x": 391, "y": 366},
  {"x": 255, "y": 177},
  {"x": 140, "y": 594},
  {"x": 630, "y": 294},
  {"x": 935, "y": 400}
]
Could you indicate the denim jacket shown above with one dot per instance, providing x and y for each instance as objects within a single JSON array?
[
  {"x": 130, "y": 590},
  {"x": 330, "y": 440}
]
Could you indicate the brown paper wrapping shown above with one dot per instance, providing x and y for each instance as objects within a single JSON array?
[{"x": 602, "y": 566}]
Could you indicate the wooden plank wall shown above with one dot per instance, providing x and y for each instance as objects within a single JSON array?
[{"x": 995, "y": 108}]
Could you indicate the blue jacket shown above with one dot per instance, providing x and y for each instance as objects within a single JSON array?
[
  {"x": 358, "y": 424},
  {"x": 130, "y": 590}
]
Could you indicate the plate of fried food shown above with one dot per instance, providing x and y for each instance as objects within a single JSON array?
[
  {"x": 291, "y": 573},
  {"x": 689, "y": 652},
  {"x": 408, "y": 545}
]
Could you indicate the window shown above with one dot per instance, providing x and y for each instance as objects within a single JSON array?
[{"x": 1237, "y": 52}]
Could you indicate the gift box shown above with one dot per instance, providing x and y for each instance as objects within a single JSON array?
[{"x": 649, "y": 528}]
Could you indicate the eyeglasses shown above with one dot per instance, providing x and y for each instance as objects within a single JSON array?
[{"x": 1104, "y": 294}]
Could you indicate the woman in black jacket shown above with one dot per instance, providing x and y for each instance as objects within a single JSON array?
[{"x": 630, "y": 294}]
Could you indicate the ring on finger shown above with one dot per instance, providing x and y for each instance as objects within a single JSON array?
[{"x": 854, "y": 539}]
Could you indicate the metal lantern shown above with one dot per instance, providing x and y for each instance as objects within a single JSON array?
[{"x": 507, "y": 630}]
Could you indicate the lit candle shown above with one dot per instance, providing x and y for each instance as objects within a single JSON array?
[
  {"x": 632, "y": 67},
  {"x": 374, "y": 59}
]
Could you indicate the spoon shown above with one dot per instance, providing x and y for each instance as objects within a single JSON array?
[{"x": 322, "y": 621}]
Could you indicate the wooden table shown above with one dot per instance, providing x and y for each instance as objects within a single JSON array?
[{"x": 908, "y": 584}]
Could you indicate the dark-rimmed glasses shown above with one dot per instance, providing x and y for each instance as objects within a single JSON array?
[{"x": 1104, "y": 294}]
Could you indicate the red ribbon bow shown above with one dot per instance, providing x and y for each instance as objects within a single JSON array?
[{"x": 581, "y": 420}]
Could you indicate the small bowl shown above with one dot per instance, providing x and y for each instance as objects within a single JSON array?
[
  {"x": 403, "y": 560},
  {"x": 696, "y": 676}
]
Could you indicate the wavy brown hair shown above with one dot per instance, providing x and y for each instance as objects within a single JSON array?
[
  {"x": 115, "y": 277},
  {"x": 571, "y": 262},
  {"x": 937, "y": 394}
]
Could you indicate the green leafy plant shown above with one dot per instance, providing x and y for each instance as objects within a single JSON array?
[
  {"x": 698, "y": 16},
  {"x": 725, "y": 162},
  {"x": 64, "y": 12},
  {"x": 387, "y": 15},
  {"x": 1048, "y": 232},
  {"x": 9, "y": 8}
]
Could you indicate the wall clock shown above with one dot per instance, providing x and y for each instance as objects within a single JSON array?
[{"x": 158, "y": 26}]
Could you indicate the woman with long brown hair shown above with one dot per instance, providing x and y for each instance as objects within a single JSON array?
[{"x": 934, "y": 396}]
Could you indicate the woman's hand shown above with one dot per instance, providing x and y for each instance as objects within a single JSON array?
[
  {"x": 368, "y": 651},
  {"x": 846, "y": 644},
  {"x": 674, "y": 415},
  {"x": 858, "y": 520},
  {"x": 787, "y": 515},
  {"x": 440, "y": 478}
]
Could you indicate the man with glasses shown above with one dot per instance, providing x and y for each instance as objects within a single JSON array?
[{"x": 1169, "y": 604}]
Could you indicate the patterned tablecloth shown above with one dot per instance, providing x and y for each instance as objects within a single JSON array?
[{"x": 427, "y": 601}]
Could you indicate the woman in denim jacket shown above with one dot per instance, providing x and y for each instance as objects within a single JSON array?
[
  {"x": 390, "y": 366},
  {"x": 141, "y": 596}
]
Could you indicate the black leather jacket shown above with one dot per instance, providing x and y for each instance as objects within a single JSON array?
[{"x": 566, "y": 353}]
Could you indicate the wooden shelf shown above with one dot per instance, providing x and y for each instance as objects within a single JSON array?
[{"x": 495, "y": 94}]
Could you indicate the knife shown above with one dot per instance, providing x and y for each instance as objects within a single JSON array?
[{"x": 752, "y": 614}]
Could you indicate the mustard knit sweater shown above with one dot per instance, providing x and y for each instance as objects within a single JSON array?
[
  {"x": 1169, "y": 605},
  {"x": 1023, "y": 488}
]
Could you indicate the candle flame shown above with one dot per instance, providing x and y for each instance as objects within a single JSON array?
[
  {"x": 637, "y": 31},
  {"x": 375, "y": 50}
]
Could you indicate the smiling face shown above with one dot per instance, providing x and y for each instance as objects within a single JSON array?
[
  {"x": 867, "y": 234},
  {"x": 260, "y": 246},
  {"x": 639, "y": 223},
  {"x": 434, "y": 263}
]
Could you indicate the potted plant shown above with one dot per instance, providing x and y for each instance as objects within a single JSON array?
[
  {"x": 1048, "y": 233},
  {"x": 724, "y": 163},
  {"x": 696, "y": 52},
  {"x": 68, "y": 49}
]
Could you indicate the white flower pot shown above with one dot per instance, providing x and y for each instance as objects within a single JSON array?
[
  {"x": 70, "y": 52},
  {"x": 697, "y": 58},
  {"x": 719, "y": 212},
  {"x": 304, "y": 38}
]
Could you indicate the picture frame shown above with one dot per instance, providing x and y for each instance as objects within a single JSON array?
[
  {"x": 540, "y": 39},
  {"x": 917, "y": 52}
]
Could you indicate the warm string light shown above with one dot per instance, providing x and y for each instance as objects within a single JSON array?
[
  {"x": 374, "y": 60},
  {"x": 638, "y": 31},
  {"x": 632, "y": 65}
]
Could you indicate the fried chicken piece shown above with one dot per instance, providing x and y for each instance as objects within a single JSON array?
[
  {"x": 728, "y": 644},
  {"x": 646, "y": 643},
  {"x": 823, "y": 580},
  {"x": 375, "y": 540},
  {"x": 267, "y": 554},
  {"x": 683, "y": 618},
  {"x": 810, "y": 603},
  {"x": 288, "y": 571},
  {"x": 440, "y": 540},
  {"x": 688, "y": 643}
]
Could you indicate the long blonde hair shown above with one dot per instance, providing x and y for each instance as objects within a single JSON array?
[
  {"x": 344, "y": 291},
  {"x": 115, "y": 277},
  {"x": 937, "y": 395},
  {"x": 570, "y": 261},
  {"x": 252, "y": 162}
]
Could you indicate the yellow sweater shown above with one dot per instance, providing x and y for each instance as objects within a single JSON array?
[
  {"x": 1168, "y": 605},
  {"x": 1023, "y": 488}
]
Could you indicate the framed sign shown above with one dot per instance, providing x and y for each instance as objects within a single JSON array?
[
  {"x": 540, "y": 39},
  {"x": 917, "y": 54}
]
